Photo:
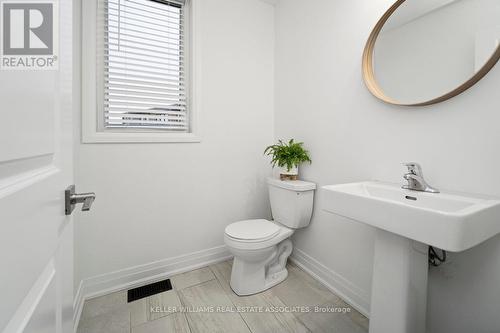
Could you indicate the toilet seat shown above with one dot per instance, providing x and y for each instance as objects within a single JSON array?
[
  {"x": 252, "y": 230},
  {"x": 244, "y": 235}
]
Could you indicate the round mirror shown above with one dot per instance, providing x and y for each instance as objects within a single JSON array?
[{"x": 423, "y": 52}]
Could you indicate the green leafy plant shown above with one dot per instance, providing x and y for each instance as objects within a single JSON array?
[{"x": 289, "y": 154}]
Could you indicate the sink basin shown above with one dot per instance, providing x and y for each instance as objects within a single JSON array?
[
  {"x": 406, "y": 223},
  {"x": 449, "y": 221}
]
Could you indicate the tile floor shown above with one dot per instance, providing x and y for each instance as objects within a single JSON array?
[{"x": 202, "y": 302}]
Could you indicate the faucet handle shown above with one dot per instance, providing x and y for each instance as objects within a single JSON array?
[{"x": 413, "y": 167}]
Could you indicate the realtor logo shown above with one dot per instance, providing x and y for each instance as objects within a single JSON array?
[{"x": 29, "y": 35}]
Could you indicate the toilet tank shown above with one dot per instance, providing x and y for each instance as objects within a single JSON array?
[{"x": 291, "y": 202}]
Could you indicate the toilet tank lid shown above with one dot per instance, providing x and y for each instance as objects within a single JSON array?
[{"x": 293, "y": 185}]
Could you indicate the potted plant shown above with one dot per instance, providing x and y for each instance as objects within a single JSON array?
[{"x": 288, "y": 156}]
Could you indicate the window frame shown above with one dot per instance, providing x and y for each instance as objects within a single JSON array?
[{"x": 92, "y": 106}]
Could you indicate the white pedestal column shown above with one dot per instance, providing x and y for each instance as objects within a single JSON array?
[{"x": 399, "y": 286}]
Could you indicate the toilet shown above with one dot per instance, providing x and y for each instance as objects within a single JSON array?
[{"x": 261, "y": 247}]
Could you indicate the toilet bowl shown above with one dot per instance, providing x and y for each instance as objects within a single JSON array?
[{"x": 261, "y": 247}]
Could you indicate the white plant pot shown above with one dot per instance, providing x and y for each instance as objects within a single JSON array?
[{"x": 292, "y": 172}]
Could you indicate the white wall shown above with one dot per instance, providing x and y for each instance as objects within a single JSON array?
[
  {"x": 321, "y": 99},
  {"x": 157, "y": 201},
  {"x": 185, "y": 194}
]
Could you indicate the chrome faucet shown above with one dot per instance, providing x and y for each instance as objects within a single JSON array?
[{"x": 415, "y": 179}]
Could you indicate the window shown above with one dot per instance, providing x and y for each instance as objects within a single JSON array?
[{"x": 142, "y": 71}]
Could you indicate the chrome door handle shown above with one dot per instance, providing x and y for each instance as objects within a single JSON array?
[{"x": 72, "y": 198}]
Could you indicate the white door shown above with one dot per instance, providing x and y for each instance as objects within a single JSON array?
[{"x": 36, "y": 238}]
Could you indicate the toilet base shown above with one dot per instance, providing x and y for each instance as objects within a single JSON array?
[
  {"x": 276, "y": 278},
  {"x": 269, "y": 282},
  {"x": 252, "y": 277}
]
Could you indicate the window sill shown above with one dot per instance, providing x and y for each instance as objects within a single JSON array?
[{"x": 113, "y": 137}]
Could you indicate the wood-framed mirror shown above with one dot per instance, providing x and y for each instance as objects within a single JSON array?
[{"x": 423, "y": 52}]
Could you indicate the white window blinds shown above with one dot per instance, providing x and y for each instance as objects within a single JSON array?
[{"x": 144, "y": 65}]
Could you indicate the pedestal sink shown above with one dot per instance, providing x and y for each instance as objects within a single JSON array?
[{"x": 407, "y": 223}]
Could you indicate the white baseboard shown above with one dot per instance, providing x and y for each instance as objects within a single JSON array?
[
  {"x": 78, "y": 306},
  {"x": 345, "y": 289},
  {"x": 142, "y": 274}
]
